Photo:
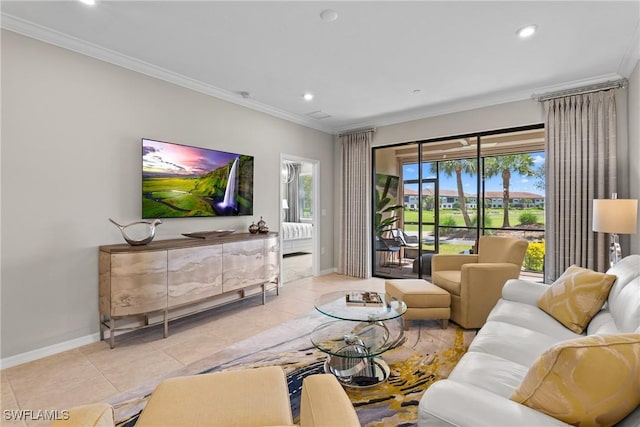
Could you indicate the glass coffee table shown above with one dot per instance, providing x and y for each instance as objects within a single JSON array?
[{"x": 357, "y": 337}]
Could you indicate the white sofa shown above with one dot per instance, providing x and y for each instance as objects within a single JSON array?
[{"x": 478, "y": 389}]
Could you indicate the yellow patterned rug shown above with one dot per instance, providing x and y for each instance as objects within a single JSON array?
[{"x": 426, "y": 354}]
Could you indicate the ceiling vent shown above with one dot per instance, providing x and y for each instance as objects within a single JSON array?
[{"x": 318, "y": 115}]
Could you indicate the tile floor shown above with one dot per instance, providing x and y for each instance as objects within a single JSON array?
[{"x": 94, "y": 372}]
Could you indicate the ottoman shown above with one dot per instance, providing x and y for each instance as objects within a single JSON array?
[{"x": 424, "y": 300}]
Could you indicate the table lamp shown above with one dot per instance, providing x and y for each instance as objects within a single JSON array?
[{"x": 615, "y": 216}]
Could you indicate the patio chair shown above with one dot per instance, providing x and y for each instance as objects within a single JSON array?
[
  {"x": 405, "y": 239},
  {"x": 390, "y": 246}
]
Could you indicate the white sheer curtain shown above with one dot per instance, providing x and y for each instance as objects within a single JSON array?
[
  {"x": 355, "y": 226},
  {"x": 580, "y": 133}
]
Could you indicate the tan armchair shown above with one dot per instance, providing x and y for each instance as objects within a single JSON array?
[
  {"x": 475, "y": 281},
  {"x": 243, "y": 398}
]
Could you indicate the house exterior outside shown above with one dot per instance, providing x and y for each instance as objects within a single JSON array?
[{"x": 493, "y": 199}]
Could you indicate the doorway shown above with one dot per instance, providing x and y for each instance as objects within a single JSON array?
[{"x": 299, "y": 225}]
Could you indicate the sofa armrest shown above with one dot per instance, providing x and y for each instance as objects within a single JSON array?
[
  {"x": 94, "y": 415},
  {"x": 441, "y": 262},
  {"x": 324, "y": 403},
  {"x": 441, "y": 406},
  {"x": 480, "y": 289},
  {"x": 489, "y": 274},
  {"x": 523, "y": 291}
]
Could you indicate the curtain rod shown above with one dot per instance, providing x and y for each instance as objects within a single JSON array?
[
  {"x": 351, "y": 132},
  {"x": 614, "y": 84}
]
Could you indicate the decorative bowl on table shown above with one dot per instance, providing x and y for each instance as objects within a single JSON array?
[{"x": 208, "y": 234}]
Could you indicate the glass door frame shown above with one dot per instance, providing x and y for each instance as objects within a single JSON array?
[{"x": 480, "y": 184}]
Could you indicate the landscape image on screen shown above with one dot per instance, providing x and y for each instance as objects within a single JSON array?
[{"x": 184, "y": 181}]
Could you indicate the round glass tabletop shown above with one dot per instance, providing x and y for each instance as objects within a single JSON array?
[{"x": 363, "y": 306}]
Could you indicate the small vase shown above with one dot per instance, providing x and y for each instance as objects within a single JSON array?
[
  {"x": 261, "y": 223},
  {"x": 253, "y": 228}
]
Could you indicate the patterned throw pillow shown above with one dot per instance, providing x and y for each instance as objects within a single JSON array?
[
  {"x": 576, "y": 297},
  {"x": 590, "y": 381}
]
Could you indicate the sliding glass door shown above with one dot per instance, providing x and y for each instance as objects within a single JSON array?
[{"x": 450, "y": 191}]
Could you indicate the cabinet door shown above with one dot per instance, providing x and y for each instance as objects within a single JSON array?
[
  {"x": 272, "y": 261},
  {"x": 138, "y": 282},
  {"x": 243, "y": 264},
  {"x": 194, "y": 273}
]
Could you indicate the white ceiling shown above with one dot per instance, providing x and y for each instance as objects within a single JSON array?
[{"x": 364, "y": 67}]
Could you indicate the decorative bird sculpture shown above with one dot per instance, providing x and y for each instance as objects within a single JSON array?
[{"x": 145, "y": 229}]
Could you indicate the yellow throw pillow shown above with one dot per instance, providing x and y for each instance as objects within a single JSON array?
[
  {"x": 588, "y": 382},
  {"x": 576, "y": 297}
]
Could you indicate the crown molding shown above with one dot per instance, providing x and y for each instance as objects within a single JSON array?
[
  {"x": 47, "y": 35},
  {"x": 440, "y": 109},
  {"x": 38, "y": 32},
  {"x": 472, "y": 103}
]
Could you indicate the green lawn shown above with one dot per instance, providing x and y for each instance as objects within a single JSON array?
[{"x": 494, "y": 217}]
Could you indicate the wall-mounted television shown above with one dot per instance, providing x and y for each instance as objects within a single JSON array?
[{"x": 183, "y": 181}]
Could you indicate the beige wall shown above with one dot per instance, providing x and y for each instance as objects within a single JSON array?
[
  {"x": 71, "y": 129},
  {"x": 500, "y": 116}
]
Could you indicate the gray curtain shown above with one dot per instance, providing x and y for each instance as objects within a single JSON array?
[
  {"x": 293, "y": 196},
  {"x": 580, "y": 133},
  {"x": 355, "y": 226}
]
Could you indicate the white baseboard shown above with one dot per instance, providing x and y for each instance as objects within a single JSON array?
[{"x": 39, "y": 353}]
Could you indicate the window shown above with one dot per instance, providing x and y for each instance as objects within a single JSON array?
[
  {"x": 455, "y": 189},
  {"x": 305, "y": 193}
]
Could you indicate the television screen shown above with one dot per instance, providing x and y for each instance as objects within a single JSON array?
[{"x": 182, "y": 181}]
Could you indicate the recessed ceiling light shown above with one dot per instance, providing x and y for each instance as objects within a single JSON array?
[
  {"x": 527, "y": 31},
  {"x": 88, "y": 2},
  {"x": 308, "y": 96},
  {"x": 329, "y": 15},
  {"x": 417, "y": 91}
]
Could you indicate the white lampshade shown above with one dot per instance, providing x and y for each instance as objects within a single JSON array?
[
  {"x": 615, "y": 216},
  {"x": 285, "y": 204}
]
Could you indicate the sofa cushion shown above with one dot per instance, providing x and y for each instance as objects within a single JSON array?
[
  {"x": 625, "y": 308},
  {"x": 241, "y": 398},
  {"x": 515, "y": 343},
  {"x": 530, "y": 317},
  {"x": 452, "y": 404},
  {"x": 489, "y": 372},
  {"x": 449, "y": 280},
  {"x": 588, "y": 381},
  {"x": 494, "y": 249},
  {"x": 625, "y": 271},
  {"x": 576, "y": 296}
]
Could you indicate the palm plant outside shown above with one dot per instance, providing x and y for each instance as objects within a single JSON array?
[
  {"x": 449, "y": 167},
  {"x": 504, "y": 165},
  {"x": 385, "y": 215}
]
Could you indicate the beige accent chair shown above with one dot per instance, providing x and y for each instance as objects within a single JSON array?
[
  {"x": 475, "y": 281},
  {"x": 244, "y": 398}
]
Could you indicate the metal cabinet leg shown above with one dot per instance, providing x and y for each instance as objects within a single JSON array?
[
  {"x": 100, "y": 319},
  {"x": 112, "y": 334},
  {"x": 166, "y": 324}
]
